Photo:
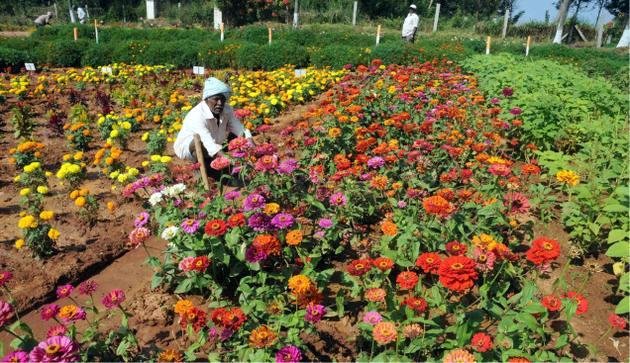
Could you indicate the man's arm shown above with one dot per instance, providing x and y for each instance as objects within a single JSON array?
[{"x": 207, "y": 140}]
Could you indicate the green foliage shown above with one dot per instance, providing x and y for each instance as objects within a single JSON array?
[
  {"x": 337, "y": 56},
  {"x": 12, "y": 57}
]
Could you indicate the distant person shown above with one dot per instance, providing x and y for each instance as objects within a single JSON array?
[
  {"x": 82, "y": 15},
  {"x": 410, "y": 26},
  {"x": 43, "y": 19}
]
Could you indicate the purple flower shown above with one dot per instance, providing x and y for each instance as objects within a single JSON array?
[
  {"x": 190, "y": 226},
  {"x": 507, "y": 92},
  {"x": 338, "y": 199},
  {"x": 259, "y": 222},
  {"x": 516, "y": 111},
  {"x": 253, "y": 255},
  {"x": 314, "y": 313},
  {"x": 232, "y": 195},
  {"x": 141, "y": 220},
  {"x": 282, "y": 220},
  {"x": 64, "y": 291},
  {"x": 113, "y": 299},
  {"x": 55, "y": 349},
  {"x": 5, "y": 276},
  {"x": 365, "y": 176},
  {"x": 253, "y": 201},
  {"x": 401, "y": 204},
  {"x": 372, "y": 317},
  {"x": 495, "y": 101},
  {"x": 376, "y": 162},
  {"x": 287, "y": 166},
  {"x": 6, "y": 312},
  {"x": 17, "y": 356},
  {"x": 319, "y": 234},
  {"x": 325, "y": 223},
  {"x": 88, "y": 287},
  {"x": 226, "y": 334},
  {"x": 288, "y": 354}
]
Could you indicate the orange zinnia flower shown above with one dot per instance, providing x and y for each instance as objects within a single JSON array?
[{"x": 389, "y": 228}]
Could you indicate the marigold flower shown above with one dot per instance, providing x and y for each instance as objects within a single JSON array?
[
  {"x": 53, "y": 234},
  {"x": 79, "y": 202},
  {"x": 407, "y": 280},
  {"x": 19, "y": 243},
  {"x": 385, "y": 332},
  {"x": 457, "y": 273},
  {"x": 389, "y": 228},
  {"x": 458, "y": 356},
  {"x": 262, "y": 337},
  {"x": 294, "y": 237},
  {"x": 27, "y": 221},
  {"x": 568, "y": 177},
  {"x": 46, "y": 215}
]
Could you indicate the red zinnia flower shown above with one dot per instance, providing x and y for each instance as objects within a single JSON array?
[
  {"x": 551, "y": 302},
  {"x": 582, "y": 303},
  {"x": 543, "y": 250},
  {"x": 438, "y": 205},
  {"x": 407, "y": 280},
  {"x": 455, "y": 248},
  {"x": 230, "y": 318},
  {"x": 200, "y": 264},
  {"x": 236, "y": 220},
  {"x": 383, "y": 263},
  {"x": 216, "y": 228},
  {"x": 195, "y": 317},
  {"x": 481, "y": 342},
  {"x": 429, "y": 262},
  {"x": 457, "y": 273},
  {"x": 617, "y": 321},
  {"x": 359, "y": 267},
  {"x": 417, "y": 304}
]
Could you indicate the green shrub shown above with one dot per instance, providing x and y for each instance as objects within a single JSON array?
[
  {"x": 250, "y": 55},
  {"x": 337, "y": 56},
  {"x": 279, "y": 53},
  {"x": 218, "y": 55},
  {"x": 395, "y": 52},
  {"x": 62, "y": 53},
  {"x": 12, "y": 58},
  {"x": 98, "y": 55}
]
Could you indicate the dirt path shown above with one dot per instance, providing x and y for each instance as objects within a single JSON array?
[{"x": 15, "y": 34}]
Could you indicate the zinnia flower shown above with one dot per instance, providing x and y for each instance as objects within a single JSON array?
[
  {"x": 49, "y": 311},
  {"x": 314, "y": 312},
  {"x": 407, "y": 280},
  {"x": 481, "y": 342},
  {"x": 138, "y": 236},
  {"x": 429, "y": 262},
  {"x": 416, "y": 304},
  {"x": 412, "y": 331},
  {"x": 288, "y": 354},
  {"x": 262, "y": 337},
  {"x": 113, "y": 299},
  {"x": 56, "y": 330},
  {"x": 5, "y": 276},
  {"x": 375, "y": 294},
  {"x": 287, "y": 166},
  {"x": 338, "y": 199},
  {"x": 551, "y": 302},
  {"x": 294, "y": 237},
  {"x": 458, "y": 356},
  {"x": 385, "y": 332},
  {"x": 282, "y": 220},
  {"x": 617, "y": 321},
  {"x": 516, "y": 202},
  {"x": 375, "y": 162},
  {"x": 190, "y": 226},
  {"x": 383, "y": 263},
  {"x": 215, "y": 228},
  {"x": 220, "y": 163},
  {"x": 455, "y": 248},
  {"x": 299, "y": 284},
  {"x": 568, "y": 177},
  {"x": 389, "y": 228},
  {"x": 372, "y": 317},
  {"x": 438, "y": 206},
  {"x": 229, "y": 318},
  {"x": 485, "y": 259},
  {"x": 6, "y": 312},
  {"x": 457, "y": 273},
  {"x": 88, "y": 287},
  {"x": 582, "y": 303},
  {"x": 55, "y": 349},
  {"x": 170, "y": 355},
  {"x": 543, "y": 250},
  {"x": 325, "y": 223},
  {"x": 64, "y": 291},
  {"x": 253, "y": 201},
  {"x": 141, "y": 220},
  {"x": 71, "y": 313},
  {"x": 19, "y": 356},
  {"x": 359, "y": 267}
]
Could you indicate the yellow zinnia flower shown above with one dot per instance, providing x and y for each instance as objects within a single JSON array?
[
  {"x": 568, "y": 177},
  {"x": 53, "y": 234},
  {"x": 46, "y": 215}
]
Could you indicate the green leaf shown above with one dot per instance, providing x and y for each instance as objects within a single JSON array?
[
  {"x": 340, "y": 308},
  {"x": 616, "y": 208},
  {"x": 619, "y": 249},
  {"x": 624, "y": 282},
  {"x": 624, "y": 306},
  {"x": 562, "y": 341},
  {"x": 617, "y": 235},
  {"x": 184, "y": 286}
]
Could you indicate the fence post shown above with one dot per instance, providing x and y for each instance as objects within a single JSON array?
[
  {"x": 296, "y": 15},
  {"x": 437, "y": 16},
  {"x": 75, "y": 31},
  {"x": 506, "y": 19},
  {"x": 269, "y": 29},
  {"x": 529, "y": 41},
  {"x": 354, "y": 14},
  {"x": 488, "y": 40},
  {"x": 222, "y": 32},
  {"x": 378, "y": 34},
  {"x": 600, "y": 35},
  {"x": 96, "y": 31}
]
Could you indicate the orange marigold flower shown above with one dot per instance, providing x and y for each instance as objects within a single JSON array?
[
  {"x": 385, "y": 332},
  {"x": 262, "y": 337},
  {"x": 170, "y": 355},
  {"x": 389, "y": 228},
  {"x": 294, "y": 237}
]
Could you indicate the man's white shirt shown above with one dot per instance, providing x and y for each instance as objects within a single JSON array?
[
  {"x": 411, "y": 22},
  {"x": 199, "y": 120}
]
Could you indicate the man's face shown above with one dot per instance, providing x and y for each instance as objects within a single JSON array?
[{"x": 216, "y": 103}]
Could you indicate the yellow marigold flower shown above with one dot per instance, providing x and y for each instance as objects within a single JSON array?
[
  {"x": 84, "y": 191},
  {"x": 46, "y": 215},
  {"x": 485, "y": 242},
  {"x": 48, "y": 173},
  {"x": 42, "y": 189},
  {"x": 27, "y": 221},
  {"x": 568, "y": 177},
  {"x": 272, "y": 209},
  {"x": 165, "y": 159},
  {"x": 111, "y": 206},
  {"x": 155, "y": 158},
  {"x": 113, "y": 133},
  {"x": 53, "y": 234},
  {"x": 16, "y": 178},
  {"x": 170, "y": 355},
  {"x": 25, "y": 191},
  {"x": 145, "y": 136},
  {"x": 145, "y": 164},
  {"x": 74, "y": 194},
  {"x": 334, "y": 132},
  {"x": 79, "y": 202},
  {"x": 19, "y": 243}
]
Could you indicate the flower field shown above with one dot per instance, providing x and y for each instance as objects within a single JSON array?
[{"x": 403, "y": 213}]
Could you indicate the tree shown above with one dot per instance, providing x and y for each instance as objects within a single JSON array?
[{"x": 562, "y": 16}]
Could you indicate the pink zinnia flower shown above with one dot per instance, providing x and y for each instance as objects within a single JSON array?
[
  {"x": 56, "y": 330},
  {"x": 288, "y": 354},
  {"x": 282, "y": 220},
  {"x": 138, "y": 236},
  {"x": 5, "y": 276},
  {"x": 338, "y": 199},
  {"x": 141, "y": 220},
  {"x": 64, "y": 291},
  {"x": 114, "y": 298},
  {"x": 220, "y": 163},
  {"x": 517, "y": 202},
  {"x": 314, "y": 312},
  {"x": 49, "y": 311},
  {"x": 19, "y": 356},
  {"x": 499, "y": 170},
  {"x": 376, "y": 162},
  {"x": 88, "y": 287},
  {"x": 372, "y": 317},
  {"x": 484, "y": 259},
  {"x": 190, "y": 226},
  {"x": 266, "y": 163},
  {"x": 287, "y": 166},
  {"x": 6, "y": 312},
  {"x": 253, "y": 201},
  {"x": 55, "y": 349}
]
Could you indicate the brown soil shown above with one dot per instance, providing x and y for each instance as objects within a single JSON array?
[{"x": 15, "y": 34}]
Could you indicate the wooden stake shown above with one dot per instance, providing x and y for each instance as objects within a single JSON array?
[
  {"x": 529, "y": 42},
  {"x": 201, "y": 161},
  {"x": 378, "y": 34},
  {"x": 488, "y": 40},
  {"x": 76, "y": 33},
  {"x": 269, "y": 28},
  {"x": 600, "y": 35},
  {"x": 506, "y": 18}
]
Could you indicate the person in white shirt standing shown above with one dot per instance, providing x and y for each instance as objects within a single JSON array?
[
  {"x": 82, "y": 15},
  {"x": 213, "y": 120},
  {"x": 410, "y": 26}
]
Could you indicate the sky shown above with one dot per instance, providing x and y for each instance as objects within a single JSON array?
[{"x": 535, "y": 10}]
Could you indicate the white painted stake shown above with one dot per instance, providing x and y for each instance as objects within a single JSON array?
[
  {"x": 437, "y": 16},
  {"x": 488, "y": 40},
  {"x": 75, "y": 31},
  {"x": 506, "y": 18},
  {"x": 378, "y": 34},
  {"x": 96, "y": 31},
  {"x": 296, "y": 15},
  {"x": 529, "y": 41},
  {"x": 354, "y": 14},
  {"x": 600, "y": 35},
  {"x": 269, "y": 28},
  {"x": 222, "y": 32}
]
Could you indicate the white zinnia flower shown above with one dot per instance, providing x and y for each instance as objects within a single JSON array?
[
  {"x": 174, "y": 190},
  {"x": 170, "y": 232},
  {"x": 155, "y": 198}
]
